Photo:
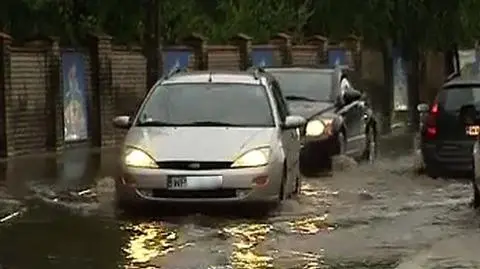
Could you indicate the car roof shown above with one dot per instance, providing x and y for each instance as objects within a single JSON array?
[
  {"x": 300, "y": 69},
  {"x": 241, "y": 77},
  {"x": 462, "y": 82}
]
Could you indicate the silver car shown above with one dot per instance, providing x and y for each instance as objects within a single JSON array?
[{"x": 210, "y": 137}]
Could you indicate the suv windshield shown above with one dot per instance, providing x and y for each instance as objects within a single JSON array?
[
  {"x": 305, "y": 85},
  {"x": 453, "y": 99},
  {"x": 207, "y": 105}
]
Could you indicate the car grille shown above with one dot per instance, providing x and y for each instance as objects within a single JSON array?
[
  {"x": 222, "y": 193},
  {"x": 192, "y": 165}
]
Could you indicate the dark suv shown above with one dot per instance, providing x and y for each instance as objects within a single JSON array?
[{"x": 446, "y": 144}]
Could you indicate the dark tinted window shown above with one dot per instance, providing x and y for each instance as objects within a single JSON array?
[
  {"x": 453, "y": 99},
  {"x": 312, "y": 84},
  {"x": 232, "y": 104}
]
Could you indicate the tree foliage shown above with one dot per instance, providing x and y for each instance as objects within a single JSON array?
[
  {"x": 71, "y": 20},
  {"x": 427, "y": 23}
]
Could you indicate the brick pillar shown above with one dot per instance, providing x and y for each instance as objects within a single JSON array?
[
  {"x": 199, "y": 45},
  {"x": 5, "y": 89},
  {"x": 103, "y": 99},
  {"x": 244, "y": 44},
  {"x": 284, "y": 41},
  {"x": 54, "y": 106},
  {"x": 154, "y": 55},
  {"x": 322, "y": 43}
]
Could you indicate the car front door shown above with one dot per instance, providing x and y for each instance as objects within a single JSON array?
[
  {"x": 290, "y": 137},
  {"x": 353, "y": 114}
]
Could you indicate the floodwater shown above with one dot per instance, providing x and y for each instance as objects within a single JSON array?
[{"x": 58, "y": 213}]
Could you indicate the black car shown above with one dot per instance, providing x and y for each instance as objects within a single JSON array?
[
  {"x": 446, "y": 143},
  {"x": 468, "y": 116},
  {"x": 339, "y": 121}
]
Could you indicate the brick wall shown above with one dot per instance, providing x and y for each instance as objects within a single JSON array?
[
  {"x": 31, "y": 87},
  {"x": 223, "y": 57},
  {"x": 26, "y": 101}
]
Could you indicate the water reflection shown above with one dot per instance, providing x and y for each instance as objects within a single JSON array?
[
  {"x": 314, "y": 261},
  {"x": 246, "y": 238},
  {"x": 315, "y": 191},
  {"x": 311, "y": 225},
  {"x": 148, "y": 241}
]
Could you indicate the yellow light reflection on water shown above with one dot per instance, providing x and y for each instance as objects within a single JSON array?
[
  {"x": 311, "y": 225},
  {"x": 246, "y": 238},
  {"x": 148, "y": 241}
]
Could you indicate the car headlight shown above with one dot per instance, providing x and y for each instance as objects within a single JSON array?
[
  {"x": 138, "y": 158},
  {"x": 318, "y": 127},
  {"x": 314, "y": 128},
  {"x": 253, "y": 158}
]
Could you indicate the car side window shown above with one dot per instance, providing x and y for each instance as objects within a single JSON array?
[{"x": 281, "y": 104}]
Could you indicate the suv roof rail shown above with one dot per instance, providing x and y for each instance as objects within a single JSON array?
[
  {"x": 174, "y": 71},
  {"x": 255, "y": 70}
]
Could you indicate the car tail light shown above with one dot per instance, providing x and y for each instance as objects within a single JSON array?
[{"x": 431, "y": 121}]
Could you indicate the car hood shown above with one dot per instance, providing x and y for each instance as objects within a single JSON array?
[
  {"x": 309, "y": 109},
  {"x": 197, "y": 143}
]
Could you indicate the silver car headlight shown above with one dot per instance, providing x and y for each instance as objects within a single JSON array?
[
  {"x": 138, "y": 158},
  {"x": 253, "y": 158},
  {"x": 319, "y": 127}
]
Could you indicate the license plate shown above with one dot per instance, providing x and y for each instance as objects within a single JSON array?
[
  {"x": 194, "y": 182},
  {"x": 472, "y": 130}
]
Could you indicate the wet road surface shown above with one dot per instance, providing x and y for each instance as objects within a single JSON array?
[{"x": 58, "y": 213}]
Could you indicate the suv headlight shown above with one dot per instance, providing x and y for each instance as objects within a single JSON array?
[
  {"x": 253, "y": 158},
  {"x": 318, "y": 127},
  {"x": 138, "y": 158}
]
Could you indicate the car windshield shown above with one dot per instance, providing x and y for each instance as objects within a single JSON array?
[
  {"x": 455, "y": 98},
  {"x": 306, "y": 86},
  {"x": 207, "y": 105}
]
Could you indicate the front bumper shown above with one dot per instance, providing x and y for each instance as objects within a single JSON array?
[
  {"x": 236, "y": 185},
  {"x": 317, "y": 151}
]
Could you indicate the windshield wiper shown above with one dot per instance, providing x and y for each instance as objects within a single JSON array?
[
  {"x": 209, "y": 123},
  {"x": 195, "y": 123},
  {"x": 300, "y": 98},
  {"x": 155, "y": 123}
]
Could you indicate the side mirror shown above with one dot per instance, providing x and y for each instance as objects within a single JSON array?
[
  {"x": 122, "y": 122},
  {"x": 351, "y": 95},
  {"x": 292, "y": 122},
  {"x": 423, "y": 108}
]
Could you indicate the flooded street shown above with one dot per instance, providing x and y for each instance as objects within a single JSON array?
[{"x": 59, "y": 214}]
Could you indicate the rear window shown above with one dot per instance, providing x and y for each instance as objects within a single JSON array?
[{"x": 453, "y": 99}]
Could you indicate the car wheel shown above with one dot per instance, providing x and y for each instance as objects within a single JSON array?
[
  {"x": 476, "y": 176},
  {"x": 341, "y": 144},
  {"x": 476, "y": 195},
  {"x": 123, "y": 207},
  {"x": 282, "y": 195},
  {"x": 431, "y": 171},
  {"x": 298, "y": 185},
  {"x": 371, "y": 146}
]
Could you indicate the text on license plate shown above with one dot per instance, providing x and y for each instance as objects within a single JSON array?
[
  {"x": 194, "y": 182},
  {"x": 472, "y": 130}
]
